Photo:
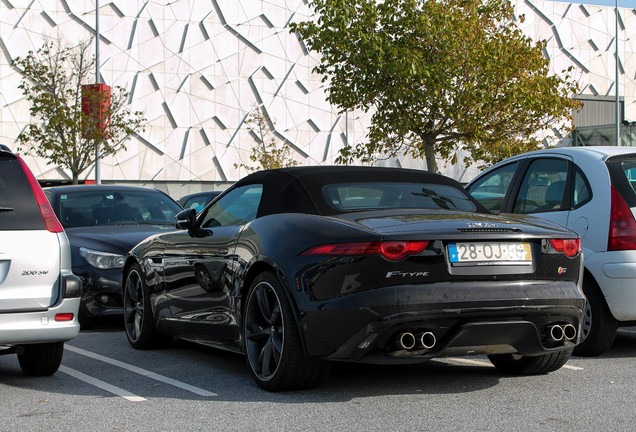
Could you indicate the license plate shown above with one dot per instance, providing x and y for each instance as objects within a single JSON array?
[{"x": 465, "y": 252}]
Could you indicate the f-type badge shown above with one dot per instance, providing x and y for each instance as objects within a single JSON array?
[{"x": 401, "y": 274}]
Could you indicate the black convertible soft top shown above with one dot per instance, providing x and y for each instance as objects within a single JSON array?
[{"x": 299, "y": 189}]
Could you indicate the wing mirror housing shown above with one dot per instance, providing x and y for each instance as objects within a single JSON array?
[{"x": 186, "y": 219}]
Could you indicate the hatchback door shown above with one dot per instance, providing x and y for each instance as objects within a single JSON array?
[{"x": 29, "y": 254}]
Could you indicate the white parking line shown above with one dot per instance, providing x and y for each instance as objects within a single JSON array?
[
  {"x": 140, "y": 371},
  {"x": 102, "y": 385},
  {"x": 488, "y": 364}
]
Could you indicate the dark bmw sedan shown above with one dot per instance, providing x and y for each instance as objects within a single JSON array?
[
  {"x": 103, "y": 222},
  {"x": 298, "y": 267}
]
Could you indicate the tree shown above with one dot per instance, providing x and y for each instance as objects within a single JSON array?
[
  {"x": 266, "y": 153},
  {"x": 438, "y": 76},
  {"x": 52, "y": 80}
]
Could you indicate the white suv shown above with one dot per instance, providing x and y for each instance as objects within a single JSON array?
[
  {"x": 591, "y": 190},
  {"x": 39, "y": 296}
]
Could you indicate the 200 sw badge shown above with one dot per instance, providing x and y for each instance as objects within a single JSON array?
[
  {"x": 300, "y": 266},
  {"x": 39, "y": 296},
  {"x": 591, "y": 190}
]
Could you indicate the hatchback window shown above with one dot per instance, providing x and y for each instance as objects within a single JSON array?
[
  {"x": 543, "y": 186},
  {"x": 622, "y": 171},
  {"x": 18, "y": 207},
  {"x": 363, "y": 196},
  {"x": 491, "y": 189},
  {"x": 582, "y": 190}
]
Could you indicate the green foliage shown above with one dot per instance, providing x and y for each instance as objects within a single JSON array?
[
  {"x": 52, "y": 81},
  {"x": 438, "y": 76},
  {"x": 265, "y": 154}
]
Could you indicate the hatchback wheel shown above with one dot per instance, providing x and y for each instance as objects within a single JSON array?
[
  {"x": 138, "y": 317},
  {"x": 272, "y": 342},
  {"x": 599, "y": 326}
]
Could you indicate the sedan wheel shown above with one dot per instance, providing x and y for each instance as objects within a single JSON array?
[
  {"x": 272, "y": 342},
  {"x": 138, "y": 319}
]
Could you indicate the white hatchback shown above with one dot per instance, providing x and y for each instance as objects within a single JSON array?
[
  {"x": 590, "y": 190},
  {"x": 39, "y": 296}
]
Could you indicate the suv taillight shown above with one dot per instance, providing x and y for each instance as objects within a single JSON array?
[
  {"x": 622, "y": 227},
  {"x": 50, "y": 220}
]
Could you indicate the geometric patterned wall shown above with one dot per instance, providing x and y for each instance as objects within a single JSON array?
[
  {"x": 584, "y": 36},
  {"x": 197, "y": 68}
]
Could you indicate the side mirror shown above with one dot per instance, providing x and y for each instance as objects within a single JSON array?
[{"x": 186, "y": 219}]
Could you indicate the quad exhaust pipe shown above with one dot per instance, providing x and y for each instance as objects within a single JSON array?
[
  {"x": 560, "y": 332},
  {"x": 424, "y": 340}
]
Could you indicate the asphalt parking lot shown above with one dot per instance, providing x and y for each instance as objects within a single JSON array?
[{"x": 104, "y": 384}]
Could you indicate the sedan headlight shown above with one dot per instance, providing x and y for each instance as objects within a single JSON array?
[{"x": 102, "y": 260}]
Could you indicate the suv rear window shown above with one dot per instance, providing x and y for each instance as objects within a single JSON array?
[{"x": 18, "y": 207}]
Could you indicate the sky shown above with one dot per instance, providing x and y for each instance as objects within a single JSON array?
[{"x": 621, "y": 3}]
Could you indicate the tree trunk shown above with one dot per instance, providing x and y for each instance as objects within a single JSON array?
[
  {"x": 429, "y": 154},
  {"x": 75, "y": 178}
]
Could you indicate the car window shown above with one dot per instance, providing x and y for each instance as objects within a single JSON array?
[
  {"x": 361, "y": 196},
  {"x": 543, "y": 186},
  {"x": 582, "y": 191},
  {"x": 18, "y": 207},
  {"x": 109, "y": 207},
  {"x": 196, "y": 202},
  {"x": 490, "y": 190},
  {"x": 237, "y": 207}
]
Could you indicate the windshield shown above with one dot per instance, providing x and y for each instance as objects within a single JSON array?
[
  {"x": 392, "y": 195},
  {"x": 122, "y": 207}
]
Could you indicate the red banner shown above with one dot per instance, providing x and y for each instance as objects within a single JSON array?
[{"x": 96, "y": 106}]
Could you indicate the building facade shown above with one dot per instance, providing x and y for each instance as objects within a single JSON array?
[{"x": 197, "y": 69}]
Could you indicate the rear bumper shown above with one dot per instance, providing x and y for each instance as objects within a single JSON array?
[
  {"x": 40, "y": 326},
  {"x": 465, "y": 318},
  {"x": 20, "y": 328},
  {"x": 615, "y": 273}
]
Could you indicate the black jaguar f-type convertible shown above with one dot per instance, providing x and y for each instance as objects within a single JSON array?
[{"x": 297, "y": 267}]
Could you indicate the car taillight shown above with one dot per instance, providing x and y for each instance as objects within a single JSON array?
[
  {"x": 391, "y": 250},
  {"x": 62, "y": 317},
  {"x": 570, "y": 247},
  {"x": 50, "y": 220},
  {"x": 622, "y": 227}
]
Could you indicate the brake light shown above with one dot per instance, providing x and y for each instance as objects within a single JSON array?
[
  {"x": 391, "y": 250},
  {"x": 570, "y": 247},
  {"x": 622, "y": 227},
  {"x": 50, "y": 220},
  {"x": 62, "y": 317}
]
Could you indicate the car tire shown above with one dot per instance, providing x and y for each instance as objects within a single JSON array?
[
  {"x": 514, "y": 364},
  {"x": 138, "y": 317},
  {"x": 599, "y": 326},
  {"x": 41, "y": 359},
  {"x": 272, "y": 341}
]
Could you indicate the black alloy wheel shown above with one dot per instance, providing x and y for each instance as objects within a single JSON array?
[
  {"x": 272, "y": 342},
  {"x": 138, "y": 318}
]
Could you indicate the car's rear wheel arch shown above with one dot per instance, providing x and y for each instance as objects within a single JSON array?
[
  {"x": 253, "y": 272},
  {"x": 599, "y": 325}
]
